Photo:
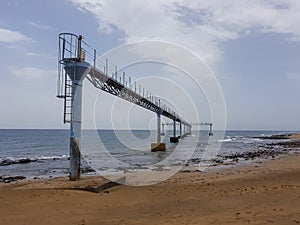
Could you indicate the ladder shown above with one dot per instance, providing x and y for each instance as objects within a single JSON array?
[
  {"x": 66, "y": 93},
  {"x": 69, "y": 46}
]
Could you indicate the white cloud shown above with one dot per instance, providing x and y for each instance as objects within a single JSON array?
[
  {"x": 10, "y": 36},
  {"x": 40, "y": 26},
  {"x": 39, "y": 55},
  {"x": 197, "y": 24},
  {"x": 32, "y": 72}
]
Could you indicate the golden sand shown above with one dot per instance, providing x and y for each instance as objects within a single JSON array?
[{"x": 260, "y": 193}]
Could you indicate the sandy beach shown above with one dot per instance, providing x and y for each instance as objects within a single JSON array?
[{"x": 265, "y": 192}]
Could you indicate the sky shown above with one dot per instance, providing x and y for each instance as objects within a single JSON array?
[{"x": 251, "y": 46}]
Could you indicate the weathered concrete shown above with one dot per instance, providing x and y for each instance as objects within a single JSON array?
[
  {"x": 75, "y": 157},
  {"x": 76, "y": 72},
  {"x": 158, "y": 147}
]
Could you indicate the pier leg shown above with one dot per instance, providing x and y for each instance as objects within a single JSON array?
[
  {"x": 210, "y": 130},
  {"x": 163, "y": 129},
  {"x": 180, "y": 129},
  {"x": 76, "y": 72},
  {"x": 174, "y": 128},
  {"x": 183, "y": 131},
  {"x": 174, "y": 139},
  {"x": 75, "y": 132},
  {"x": 158, "y": 146},
  {"x": 158, "y": 128}
]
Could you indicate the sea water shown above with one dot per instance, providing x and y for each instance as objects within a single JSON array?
[{"x": 45, "y": 153}]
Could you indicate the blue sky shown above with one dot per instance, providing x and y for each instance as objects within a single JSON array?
[{"x": 253, "y": 47}]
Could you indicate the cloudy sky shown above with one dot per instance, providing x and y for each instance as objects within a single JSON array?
[{"x": 252, "y": 46}]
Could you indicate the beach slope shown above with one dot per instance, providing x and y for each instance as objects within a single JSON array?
[{"x": 260, "y": 193}]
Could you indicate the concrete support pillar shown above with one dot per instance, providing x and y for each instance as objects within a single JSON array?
[
  {"x": 174, "y": 128},
  {"x": 76, "y": 71},
  {"x": 210, "y": 130},
  {"x": 158, "y": 146},
  {"x": 75, "y": 131},
  {"x": 174, "y": 139},
  {"x": 180, "y": 128},
  {"x": 158, "y": 128}
]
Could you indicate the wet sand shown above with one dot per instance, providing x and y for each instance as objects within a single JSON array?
[{"x": 265, "y": 192}]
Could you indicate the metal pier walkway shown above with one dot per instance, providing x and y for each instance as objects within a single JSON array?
[{"x": 77, "y": 60}]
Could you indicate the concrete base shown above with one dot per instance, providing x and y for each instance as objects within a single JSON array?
[
  {"x": 210, "y": 134},
  {"x": 158, "y": 147},
  {"x": 174, "y": 139}
]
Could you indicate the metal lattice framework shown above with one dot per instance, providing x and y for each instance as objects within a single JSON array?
[{"x": 114, "y": 87}]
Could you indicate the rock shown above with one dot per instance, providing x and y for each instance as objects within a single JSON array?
[
  {"x": 26, "y": 160},
  {"x": 87, "y": 170},
  {"x": 275, "y": 137},
  {"x": 219, "y": 161},
  {"x": 6, "y": 162},
  {"x": 7, "y": 179},
  {"x": 19, "y": 178}
]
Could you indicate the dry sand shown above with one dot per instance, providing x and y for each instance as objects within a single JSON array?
[{"x": 261, "y": 193}]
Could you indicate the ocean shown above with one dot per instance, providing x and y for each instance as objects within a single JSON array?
[{"x": 45, "y": 153}]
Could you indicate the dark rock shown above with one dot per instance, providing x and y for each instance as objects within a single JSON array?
[
  {"x": 275, "y": 137},
  {"x": 8, "y": 179},
  {"x": 6, "y": 162},
  {"x": 219, "y": 161},
  {"x": 26, "y": 160},
  {"x": 19, "y": 178},
  {"x": 87, "y": 170},
  {"x": 185, "y": 171}
]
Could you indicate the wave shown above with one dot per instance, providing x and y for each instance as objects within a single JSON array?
[{"x": 226, "y": 140}]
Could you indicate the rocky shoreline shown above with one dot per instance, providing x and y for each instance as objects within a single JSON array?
[{"x": 283, "y": 144}]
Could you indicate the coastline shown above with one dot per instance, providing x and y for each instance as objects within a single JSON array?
[
  {"x": 239, "y": 147},
  {"x": 264, "y": 192}
]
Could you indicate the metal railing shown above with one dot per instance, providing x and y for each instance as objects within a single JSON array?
[{"x": 72, "y": 48}]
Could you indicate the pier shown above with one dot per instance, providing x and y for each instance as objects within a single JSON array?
[{"x": 77, "y": 61}]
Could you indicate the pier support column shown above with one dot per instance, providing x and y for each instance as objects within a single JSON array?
[
  {"x": 158, "y": 128},
  {"x": 180, "y": 129},
  {"x": 158, "y": 146},
  {"x": 210, "y": 130},
  {"x": 174, "y": 139},
  {"x": 163, "y": 129},
  {"x": 76, "y": 71}
]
